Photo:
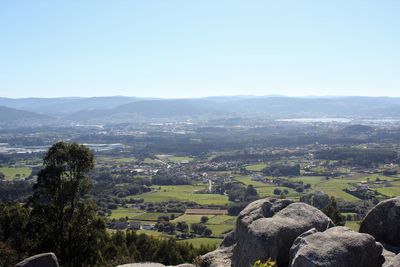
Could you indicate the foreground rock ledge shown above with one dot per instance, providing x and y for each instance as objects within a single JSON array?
[
  {"x": 266, "y": 228},
  {"x": 336, "y": 247},
  {"x": 40, "y": 260}
]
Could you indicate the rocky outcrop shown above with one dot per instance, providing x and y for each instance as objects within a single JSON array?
[
  {"x": 382, "y": 222},
  {"x": 40, "y": 260},
  {"x": 395, "y": 262},
  {"x": 336, "y": 247},
  {"x": 266, "y": 228}
]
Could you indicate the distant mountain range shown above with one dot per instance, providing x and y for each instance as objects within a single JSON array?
[{"x": 122, "y": 108}]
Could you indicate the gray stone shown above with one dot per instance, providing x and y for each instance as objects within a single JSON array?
[
  {"x": 336, "y": 247},
  {"x": 265, "y": 229},
  {"x": 382, "y": 222},
  {"x": 272, "y": 237},
  {"x": 40, "y": 260},
  {"x": 394, "y": 262}
]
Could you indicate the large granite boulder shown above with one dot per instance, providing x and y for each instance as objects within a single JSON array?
[
  {"x": 336, "y": 247},
  {"x": 383, "y": 222},
  {"x": 394, "y": 262},
  {"x": 266, "y": 229},
  {"x": 40, "y": 260}
]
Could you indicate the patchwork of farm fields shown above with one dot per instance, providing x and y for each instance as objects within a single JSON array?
[{"x": 221, "y": 224}]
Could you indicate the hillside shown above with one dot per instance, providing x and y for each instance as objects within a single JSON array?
[{"x": 11, "y": 116}]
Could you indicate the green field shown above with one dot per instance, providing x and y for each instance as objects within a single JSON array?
[
  {"x": 116, "y": 160},
  {"x": 219, "y": 230},
  {"x": 183, "y": 193},
  {"x": 153, "y": 216},
  {"x": 334, "y": 187},
  {"x": 353, "y": 225},
  {"x": 177, "y": 159},
  {"x": 269, "y": 191},
  {"x": 219, "y": 224},
  {"x": 190, "y": 218},
  {"x": 389, "y": 191},
  {"x": 197, "y": 242},
  {"x": 246, "y": 180},
  {"x": 124, "y": 212},
  {"x": 256, "y": 167},
  {"x": 151, "y": 161},
  {"x": 15, "y": 172},
  {"x": 312, "y": 180}
]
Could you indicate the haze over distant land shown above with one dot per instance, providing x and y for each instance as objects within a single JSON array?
[
  {"x": 114, "y": 110},
  {"x": 186, "y": 49}
]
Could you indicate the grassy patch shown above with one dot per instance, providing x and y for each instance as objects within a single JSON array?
[
  {"x": 15, "y": 172},
  {"x": 124, "y": 212},
  {"x": 312, "y": 180},
  {"x": 183, "y": 193},
  {"x": 353, "y": 225},
  {"x": 246, "y": 180},
  {"x": 220, "y": 219},
  {"x": 197, "y": 242},
  {"x": 334, "y": 187},
  {"x": 220, "y": 229},
  {"x": 389, "y": 191},
  {"x": 190, "y": 218},
  {"x": 256, "y": 167},
  {"x": 116, "y": 160},
  {"x": 269, "y": 191},
  {"x": 151, "y": 161},
  {"x": 153, "y": 216}
]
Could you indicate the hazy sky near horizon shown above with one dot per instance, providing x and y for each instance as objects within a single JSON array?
[{"x": 184, "y": 48}]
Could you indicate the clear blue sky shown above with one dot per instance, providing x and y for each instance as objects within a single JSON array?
[{"x": 188, "y": 48}]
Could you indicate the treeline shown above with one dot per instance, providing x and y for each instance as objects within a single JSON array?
[
  {"x": 17, "y": 242},
  {"x": 359, "y": 156},
  {"x": 165, "y": 179},
  {"x": 15, "y": 190},
  {"x": 282, "y": 170}
]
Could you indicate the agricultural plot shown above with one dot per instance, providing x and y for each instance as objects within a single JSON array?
[
  {"x": 219, "y": 224},
  {"x": 312, "y": 180},
  {"x": 183, "y": 193},
  {"x": 125, "y": 212},
  {"x": 15, "y": 172},
  {"x": 189, "y": 218},
  {"x": 334, "y": 187},
  {"x": 153, "y": 216},
  {"x": 152, "y": 161},
  {"x": 389, "y": 191},
  {"x": 269, "y": 191},
  {"x": 109, "y": 160},
  {"x": 246, "y": 180},
  {"x": 256, "y": 167},
  {"x": 175, "y": 159},
  {"x": 219, "y": 230}
]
